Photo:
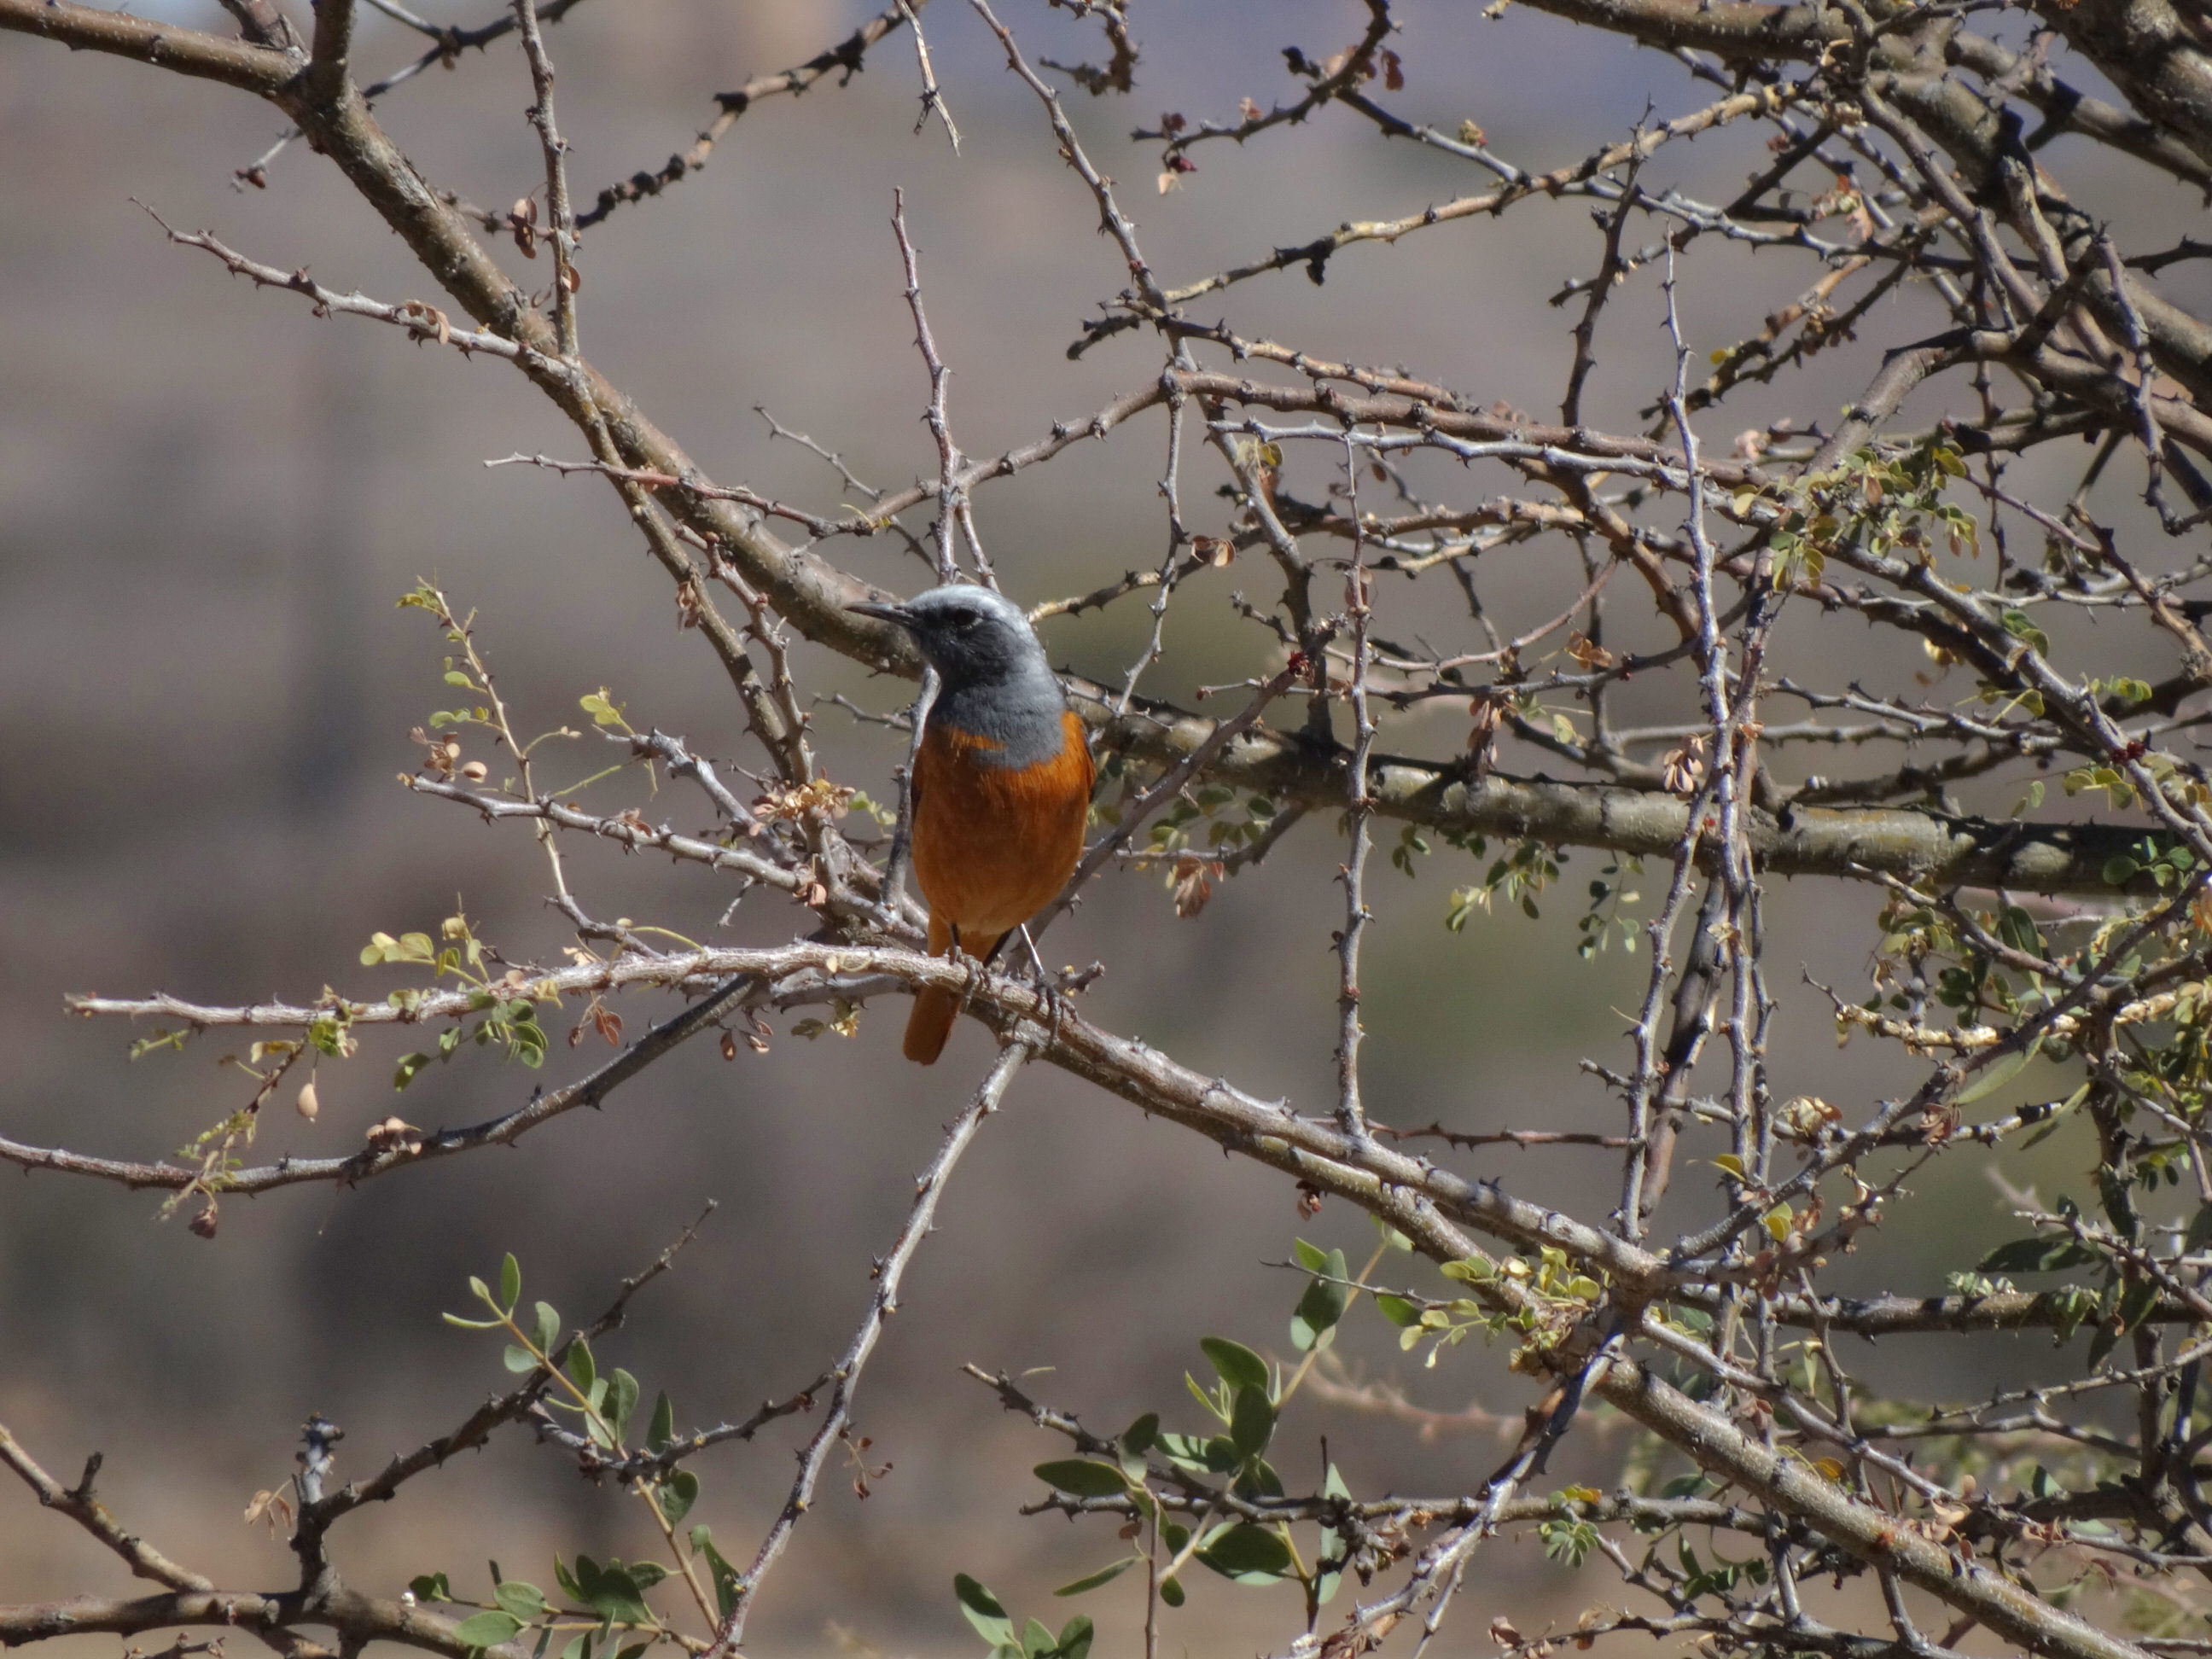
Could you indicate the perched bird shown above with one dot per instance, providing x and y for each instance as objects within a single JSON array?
[{"x": 1001, "y": 784}]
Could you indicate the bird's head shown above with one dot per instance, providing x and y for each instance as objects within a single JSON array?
[{"x": 969, "y": 635}]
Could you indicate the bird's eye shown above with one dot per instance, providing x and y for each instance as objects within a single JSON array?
[{"x": 966, "y": 618}]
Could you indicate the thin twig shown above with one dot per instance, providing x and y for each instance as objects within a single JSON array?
[{"x": 889, "y": 1271}]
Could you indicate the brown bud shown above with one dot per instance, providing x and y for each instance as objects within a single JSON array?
[{"x": 202, "y": 1224}]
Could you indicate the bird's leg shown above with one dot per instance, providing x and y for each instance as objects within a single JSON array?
[
  {"x": 1048, "y": 991},
  {"x": 978, "y": 967}
]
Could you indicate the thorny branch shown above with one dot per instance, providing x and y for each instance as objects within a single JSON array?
[{"x": 1900, "y": 178}]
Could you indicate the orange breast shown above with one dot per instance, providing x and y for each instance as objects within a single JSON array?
[{"x": 994, "y": 844}]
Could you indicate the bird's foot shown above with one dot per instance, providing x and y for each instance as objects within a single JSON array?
[{"x": 1048, "y": 988}]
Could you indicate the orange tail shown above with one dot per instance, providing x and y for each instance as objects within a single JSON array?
[{"x": 934, "y": 1010}]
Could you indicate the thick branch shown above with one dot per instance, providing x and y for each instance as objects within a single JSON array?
[
  {"x": 165, "y": 45},
  {"x": 358, "y": 1619},
  {"x": 88, "y": 1512}
]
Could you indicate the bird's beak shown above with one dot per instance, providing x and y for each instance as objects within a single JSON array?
[{"x": 889, "y": 613}]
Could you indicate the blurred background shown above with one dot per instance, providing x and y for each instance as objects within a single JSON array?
[{"x": 209, "y": 501}]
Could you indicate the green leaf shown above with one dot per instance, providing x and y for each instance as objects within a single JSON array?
[
  {"x": 2040, "y": 1254},
  {"x": 1185, "y": 1451},
  {"x": 1237, "y": 1364},
  {"x": 431, "y": 1587},
  {"x": 580, "y": 1366},
  {"x": 2101, "y": 1343},
  {"x": 510, "y": 1281},
  {"x": 662, "y": 1432},
  {"x": 2000, "y": 1074},
  {"x": 2200, "y": 1231},
  {"x": 1083, "y": 1477},
  {"x": 677, "y": 1494},
  {"x": 1138, "y": 1439},
  {"x": 2137, "y": 1305},
  {"x": 2119, "y": 870},
  {"x": 612, "y": 1592},
  {"x": 1252, "y": 1424},
  {"x": 486, "y": 1629},
  {"x": 1105, "y": 1575},
  {"x": 1330, "y": 1576},
  {"x": 1258, "y": 1479},
  {"x": 1074, "y": 1638},
  {"x": 2072, "y": 1306},
  {"x": 621, "y": 1400},
  {"x": 2022, "y": 627},
  {"x": 1244, "y": 1548},
  {"x": 1036, "y": 1640},
  {"x": 2017, "y": 928},
  {"x": 520, "y": 1360},
  {"x": 548, "y": 1333},
  {"x": 1171, "y": 1591},
  {"x": 1199, "y": 1395},
  {"x": 983, "y": 1611},
  {"x": 1311, "y": 1257},
  {"x": 1323, "y": 1303},
  {"x": 404, "y": 1073},
  {"x": 1396, "y": 1308},
  {"x": 727, "y": 1579},
  {"x": 525, "y": 1601}
]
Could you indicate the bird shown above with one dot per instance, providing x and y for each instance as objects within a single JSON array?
[{"x": 1001, "y": 786}]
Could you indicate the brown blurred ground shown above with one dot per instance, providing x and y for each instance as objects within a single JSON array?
[{"x": 208, "y": 502}]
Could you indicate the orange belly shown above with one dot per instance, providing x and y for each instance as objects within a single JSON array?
[{"x": 993, "y": 845}]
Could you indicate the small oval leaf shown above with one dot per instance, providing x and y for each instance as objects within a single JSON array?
[{"x": 1083, "y": 1477}]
